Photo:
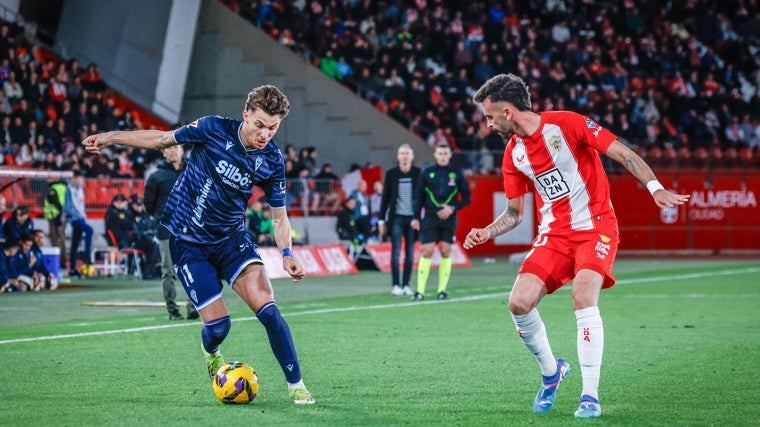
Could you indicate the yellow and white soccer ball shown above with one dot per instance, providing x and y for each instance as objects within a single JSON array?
[{"x": 236, "y": 383}]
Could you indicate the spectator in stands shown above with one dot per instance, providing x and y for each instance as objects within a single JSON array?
[
  {"x": 19, "y": 132},
  {"x": 119, "y": 224},
  {"x": 157, "y": 189},
  {"x": 255, "y": 217},
  {"x": 13, "y": 89},
  {"x": 264, "y": 226},
  {"x": 307, "y": 158},
  {"x": 76, "y": 215},
  {"x": 375, "y": 201},
  {"x": 303, "y": 189},
  {"x": 442, "y": 191},
  {"x": 329, "y": 188},
  {"x": 3, "y": 206},
  {"x": 5, "y": 131},
  {"x": 362, "y": 213},
  {"x": 290, "y": 153},
  {"x": 18, "y": 224},
  {"x": 397, "y": 211},
  {"x": 346, "y": 226},
  {"x": 25, "y": 264},
  {"x": 145, "y": 233},
  {"x": 53, "y": 212},
  {"x": 48, "y": 279},
  {"x": 8, "y": 277},
  {"x": 91, "y": 79}
]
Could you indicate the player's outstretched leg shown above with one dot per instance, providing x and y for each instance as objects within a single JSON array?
[
  {"x": 213, "y": 334},
  {"x": 284, "y": 351}
]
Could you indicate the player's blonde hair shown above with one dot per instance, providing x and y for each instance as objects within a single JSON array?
[{"x": 269, "y": 99}]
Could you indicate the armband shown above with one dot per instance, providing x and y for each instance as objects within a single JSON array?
[
  {"x": 653, "y": 186},
  {"x": 381, "y": 222},
  {"x": 287, "y": 252}
]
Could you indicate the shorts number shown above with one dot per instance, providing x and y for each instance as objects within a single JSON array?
[{"x": 188, "y": 275}]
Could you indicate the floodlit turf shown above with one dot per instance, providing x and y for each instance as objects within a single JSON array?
[{"x": 682, "y": 342}]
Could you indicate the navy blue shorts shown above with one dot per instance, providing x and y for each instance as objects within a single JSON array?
[{"x": 201, "y": 268}]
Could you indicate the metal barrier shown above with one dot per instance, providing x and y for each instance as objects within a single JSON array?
[{"x": 29, "y": 187}]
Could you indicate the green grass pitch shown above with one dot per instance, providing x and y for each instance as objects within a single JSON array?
[{"x": 682, "y": 344}]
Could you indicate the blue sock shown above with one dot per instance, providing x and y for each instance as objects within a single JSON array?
[
  {"x": 280, "y": 340},
  {"x": 214, "y": 332}
]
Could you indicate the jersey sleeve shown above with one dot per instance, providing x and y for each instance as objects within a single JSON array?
[
  {"x": 591, "y": 133},
  {"x": 194, "y": 132},
  {"x": 275, "y": 187},
  {"x": 515, "y": 183}
]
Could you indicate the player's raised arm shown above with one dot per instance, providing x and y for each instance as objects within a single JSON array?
[
  {"x": 149, "y": 138},
  {"x": 637, "y": 167},
  {"x": 509, "y": 219}
]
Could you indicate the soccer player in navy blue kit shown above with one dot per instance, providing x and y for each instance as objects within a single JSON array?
[{"x": 205, "y": 215}]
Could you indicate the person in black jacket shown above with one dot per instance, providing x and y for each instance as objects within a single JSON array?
[
  {"x": 18, "y": 224},
  {"x": 397, "y": 211},
  {"x": 120, "y": 226},
  {"x": 157, "y": 189},
  {"x": 442, "y": 190},
  {"x": 146, "y": 229}
]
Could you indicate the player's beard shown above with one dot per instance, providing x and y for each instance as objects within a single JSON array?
[{"x": 507, "y": 132}]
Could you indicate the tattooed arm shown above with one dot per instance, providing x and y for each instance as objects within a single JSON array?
[
  {"x": 508, "y": 220},
  {"x": 620, "y": 153},
  {"x": 637, "y": 167}
]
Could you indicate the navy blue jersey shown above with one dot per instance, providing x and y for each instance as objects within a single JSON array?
[{"x": 208, "y": 202}]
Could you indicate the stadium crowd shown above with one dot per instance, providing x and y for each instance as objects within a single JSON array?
[{"x": 676, "y": 80}]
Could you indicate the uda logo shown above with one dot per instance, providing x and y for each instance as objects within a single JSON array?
[{"x": 258, "y": 163}]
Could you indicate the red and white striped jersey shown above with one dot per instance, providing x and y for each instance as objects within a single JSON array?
[{"x": 561, "y": 161}]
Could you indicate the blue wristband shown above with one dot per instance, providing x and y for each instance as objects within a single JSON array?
[{"x": 287, "y": 252}]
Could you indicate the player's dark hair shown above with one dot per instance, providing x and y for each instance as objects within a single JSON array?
[
  {"x": 269, "y": 99},
  {"x": 505, "y": 88}
]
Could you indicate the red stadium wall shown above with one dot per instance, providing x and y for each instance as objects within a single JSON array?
[{"x": 723, "y": 213}]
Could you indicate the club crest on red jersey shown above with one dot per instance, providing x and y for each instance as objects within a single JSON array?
[{"x": 556, "y": 142}]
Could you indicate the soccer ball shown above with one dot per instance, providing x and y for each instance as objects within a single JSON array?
[{"x": 236, "y": 383}]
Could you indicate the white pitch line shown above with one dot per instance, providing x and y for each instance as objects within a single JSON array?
[{"x": 370, "y": 307}]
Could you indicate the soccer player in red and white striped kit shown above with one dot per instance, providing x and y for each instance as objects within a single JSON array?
[{"x": 557, "y": 152}]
